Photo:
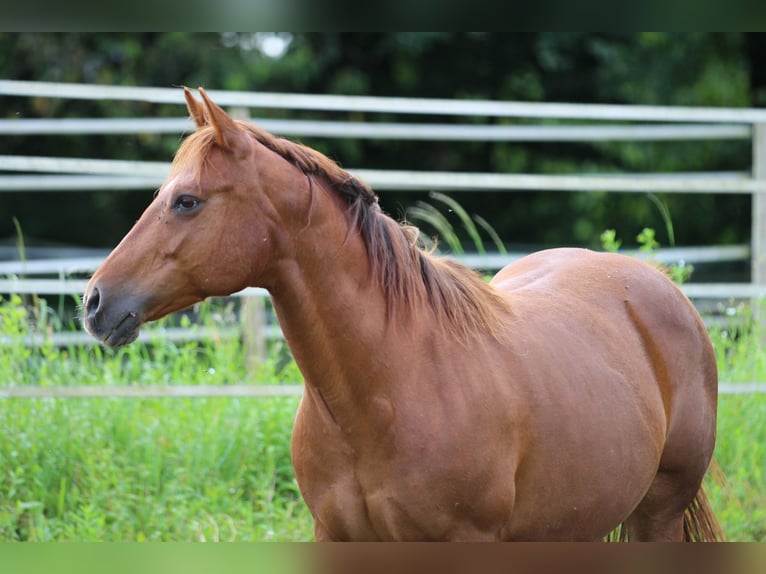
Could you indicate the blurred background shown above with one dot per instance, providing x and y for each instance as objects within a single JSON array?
[{"x": 689, "y": 69}]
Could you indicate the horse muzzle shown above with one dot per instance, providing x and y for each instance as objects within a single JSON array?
[{"x": 115, "y": 321}]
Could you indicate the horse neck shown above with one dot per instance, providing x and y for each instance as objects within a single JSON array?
[{"x": 332, "y": 313}]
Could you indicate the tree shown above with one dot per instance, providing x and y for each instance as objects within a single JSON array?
[{"x": 656, "y": 68}]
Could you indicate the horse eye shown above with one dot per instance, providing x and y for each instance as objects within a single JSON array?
[{"x": 186, "y": 203}]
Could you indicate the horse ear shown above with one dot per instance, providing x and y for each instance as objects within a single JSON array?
[
  {"x": 196, "y": 109},
  {"x": 228, "y": 134}
]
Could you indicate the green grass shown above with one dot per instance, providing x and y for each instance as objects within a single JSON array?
[
  {"x": 117, "y": 469},
  {"x": 740, "y": 502},
  {"x": 149, "y": 469},
  {"x": 190, "y": 469}
]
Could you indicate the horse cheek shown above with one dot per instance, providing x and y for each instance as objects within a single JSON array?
[{"x": 234, "y": 267}]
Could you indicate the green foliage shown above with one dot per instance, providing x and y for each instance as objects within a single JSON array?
[
  {"x": 465, "y": 219},
  {"x": 145, "y": 469},
  {"x": 430, "y": 214},
  {"x": 149, "y": 469},
  {"x": 609, "y": 241},
  {"x": 706, "y": 69},
  {"x": 646, "y": 241},
  {"x": 679, "y": 272},
  {"x": 741, "y": 447},
  {"x": 739, "y": 501},
  {"x": 665, "y": 212},
  {"x": 493, "y": 235}
]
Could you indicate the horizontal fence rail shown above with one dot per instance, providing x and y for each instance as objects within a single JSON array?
[
  {"x": 144, "y": 392},
  {"x": 397, "y": 131},
  {"x": 421, "y": 106},
  {"x": 492, "y": 261},
  {"x": 76, "y": 287},
  {"x": 391, "y": 180},
  {"x": 171, "y": 334},
  {"x": 237, "y": 390},
  {"x": 150, "y": 175}
]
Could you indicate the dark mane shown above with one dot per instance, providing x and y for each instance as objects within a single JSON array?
[{"x": 463, "y": 301}]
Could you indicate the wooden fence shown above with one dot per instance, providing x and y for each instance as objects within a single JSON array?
[{"x": 628, "y": 123}]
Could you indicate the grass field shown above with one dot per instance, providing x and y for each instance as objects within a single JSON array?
[{"x": 193, "y": 469}]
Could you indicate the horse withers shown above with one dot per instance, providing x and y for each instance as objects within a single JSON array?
[{"x": 574, "y": 392}]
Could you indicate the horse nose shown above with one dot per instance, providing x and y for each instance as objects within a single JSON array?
[{"x": 92, "y": 303}]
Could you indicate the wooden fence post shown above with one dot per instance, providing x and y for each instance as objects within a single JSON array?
[{"x": 252, "y": 315}]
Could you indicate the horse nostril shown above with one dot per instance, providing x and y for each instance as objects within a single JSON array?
[{"x": 92, "y": 302}]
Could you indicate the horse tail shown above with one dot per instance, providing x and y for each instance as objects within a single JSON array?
[{"x": 700, "y": 524}]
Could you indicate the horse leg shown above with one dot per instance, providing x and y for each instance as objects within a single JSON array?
[
  {"x": 676, "y": 486},
  {"x": 321, "y": 534},
  {"x": 660, "y": 515}
]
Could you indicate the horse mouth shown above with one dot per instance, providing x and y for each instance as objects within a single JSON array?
[{"x": 124, "y": 333}]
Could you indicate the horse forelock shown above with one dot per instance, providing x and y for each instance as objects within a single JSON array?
[
  {"x": 410, "y": 276},
  {"x": 194, "y": 152}
]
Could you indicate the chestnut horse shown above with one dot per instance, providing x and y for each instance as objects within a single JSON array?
[{"x": 573, "y": 393}]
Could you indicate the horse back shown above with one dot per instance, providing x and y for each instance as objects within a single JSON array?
[{"x": 600, "y": 294}]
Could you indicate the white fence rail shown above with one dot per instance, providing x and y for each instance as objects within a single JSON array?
[
  {"x": 383, "y": 131},
  {"x": 418, "y": 106},
  {"x": 64, "y": 266},
  {"x": 237, "y": 390},
  {"x": 19, "y": 275},
  {"x": 149, "y": 174}
]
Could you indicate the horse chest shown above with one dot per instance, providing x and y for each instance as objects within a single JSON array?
[
  {"x": 362, "y": 499},
  {"x": 397, "y": 484},
  {"x": 339, "y": 472}
]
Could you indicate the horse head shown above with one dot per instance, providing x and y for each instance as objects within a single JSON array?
[{"x": 209, "y": 231}]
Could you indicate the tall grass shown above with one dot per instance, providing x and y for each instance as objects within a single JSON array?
[
  {"x": 739, "y": 498},
  {"x": 143, "y": 469},
  {"x": 190, "y": 469},
  {"x": 149, "y": 469}
]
